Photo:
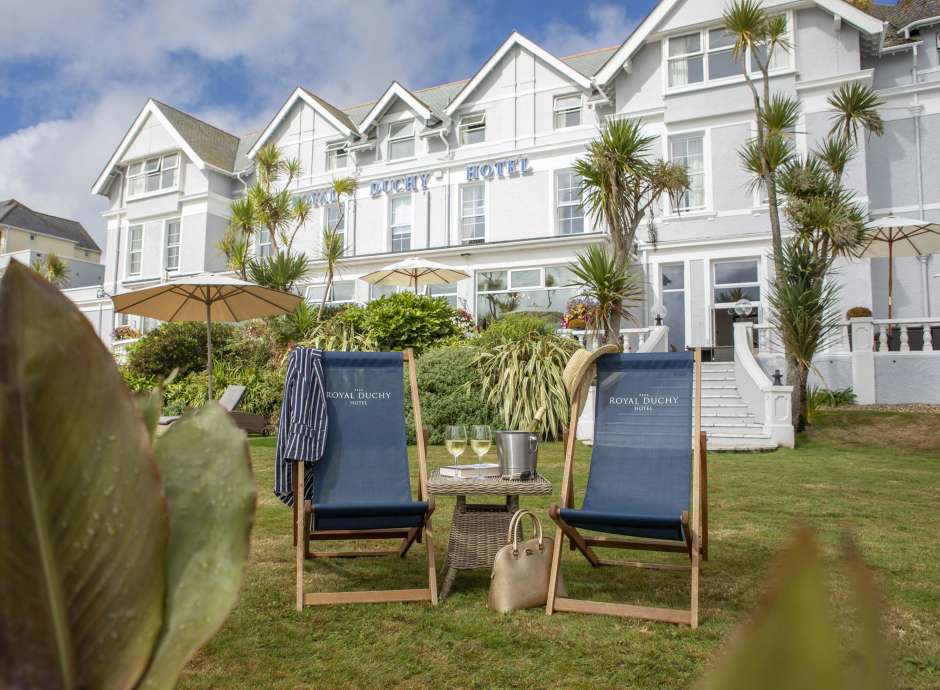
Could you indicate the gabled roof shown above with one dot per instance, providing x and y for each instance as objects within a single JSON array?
[
  {"x": 334, "y": 115},
  {"x": 861, "y": 20},
  {"x": 17, "y": 215},
  {"x": 395, "y": 91},
  {"x": 903, "y": 17},
  {"x": 516, "y": 39},
  {"x": 204, "y": 144}
]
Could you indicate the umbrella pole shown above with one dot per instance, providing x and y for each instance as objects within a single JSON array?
[
  {"x": 209, "y": 346},
  {"x": 890, "y": 282}
]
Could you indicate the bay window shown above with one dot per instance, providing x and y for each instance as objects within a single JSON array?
[
  {"x": 261, "y": 242},
  {"x": 688, "y": 150},
  {"x": 401, "y": 140},
  {"x": 535, "y": 289},
  {"x": 341, "y": 292},
  {"x": 153, "y": 175},
  {"x": 703, "y": 56}
]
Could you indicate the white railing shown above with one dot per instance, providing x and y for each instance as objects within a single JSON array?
[
  {"x": 768, "y": 403},
  {"x": 905, "y": 328},
  {"x": 634, "y": 339},
  {"x": 119, "y": 349},
  {"x": 890, "y": 335}
]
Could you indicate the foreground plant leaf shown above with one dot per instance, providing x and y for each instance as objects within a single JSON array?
[
  {"x": 83, "y": 523},
  {"x": 206, "y": 468},
  {"x": 793, "y": 642}
]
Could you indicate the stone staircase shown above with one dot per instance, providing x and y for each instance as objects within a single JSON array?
[{"x": 725, "y": 416}]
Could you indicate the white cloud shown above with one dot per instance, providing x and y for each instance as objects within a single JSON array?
[
  {"x": 109, "y": 60},
  {"x": 609, "y": 26}
]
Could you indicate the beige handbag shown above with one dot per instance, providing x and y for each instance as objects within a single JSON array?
[{"x": 521, "y": 570}]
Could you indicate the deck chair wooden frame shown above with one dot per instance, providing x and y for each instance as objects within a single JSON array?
[
  {"x": 407, "y": 536},
  {"x": 695, "y": 527}
]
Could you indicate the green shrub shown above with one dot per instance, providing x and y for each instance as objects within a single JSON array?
[
  {"x": 513, "y": 327},
  {"x": 402, "y": 320},
  {"x": 136, "y": 382},
  {"x": 817, "y": 398},
  {"x": 345, "y": 331},
  {"x": 520, "y": 376},
  {"x": 176, "y": 345},
  {"x": 263, "y": 395},
  {"x": 450, "y": 392}
]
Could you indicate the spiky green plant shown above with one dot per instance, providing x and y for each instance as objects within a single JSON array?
[
  {"x": 804, "y": 311},
  {"x": 614, "y": 289},
  {"x": 520, "y": 377},
  {"x": 52, "y": 268},
  {"x": 280, "y": 271},
  {"x": 855, "y": 106},
  {"x": 621, "y": 186}
]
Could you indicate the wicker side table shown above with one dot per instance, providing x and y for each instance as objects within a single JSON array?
[{"x": 479, "y": 530}]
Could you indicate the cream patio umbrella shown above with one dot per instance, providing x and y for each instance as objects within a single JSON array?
[
  {"x": 415, "y": 272},
  {"x": 892, "y": 236},
  {"x": 206, "y": 297}
]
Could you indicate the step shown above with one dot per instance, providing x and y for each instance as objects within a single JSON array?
[
  {"x": 718, "y": 376},
  {"x": 735, "y": 432},
  {"x": 741, "y": 445},
  {"x": 730, "y": 406},
  {"x": 717, "y": 366}
]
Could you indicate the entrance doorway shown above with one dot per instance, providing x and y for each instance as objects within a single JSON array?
[{"x": 733, "y": 282}]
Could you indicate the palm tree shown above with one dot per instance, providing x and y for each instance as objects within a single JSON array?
[
  {"x": 621, "y": 184},
  {"x": 331, "y": 252},
  {"x": 759, "y": 36},
  {"x": 52, "y": 268},
  {"x": 613, "y": 288}
]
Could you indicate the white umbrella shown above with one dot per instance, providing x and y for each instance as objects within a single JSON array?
[
  {"x": 913, "y": 237},
  {"x": 206, "y": 297},
  {"x": 415, "y": 272}
]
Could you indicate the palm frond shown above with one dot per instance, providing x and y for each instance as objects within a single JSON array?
[
  {"x": 780, "y": 114},
  {"x": 835, "y": 152},
  {"x": 747, "y": 21},
  {"x": 855, "y": 107},
  {"x": 614, "y": 289}
]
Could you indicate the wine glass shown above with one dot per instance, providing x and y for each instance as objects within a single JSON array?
[
  {"x": 480, "y": 438},
  {"x": 455, "y": 438}
]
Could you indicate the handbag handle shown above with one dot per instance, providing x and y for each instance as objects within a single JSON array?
[{"x": 513, "y": 538}]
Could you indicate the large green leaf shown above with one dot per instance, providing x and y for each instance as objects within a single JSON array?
[
  {"x": 206, "y": 468},
  {"x": 793, "y": 642},
  {"x": 83, "y": 522}
]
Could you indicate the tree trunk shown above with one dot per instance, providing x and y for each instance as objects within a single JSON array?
[
  {"x": 797, "y": 376},
  {"x": 612, "y": 337},
  {"x": 326, "y": 293}
]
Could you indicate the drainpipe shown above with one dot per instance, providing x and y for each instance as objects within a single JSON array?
[{"x": 117, "y": 253}]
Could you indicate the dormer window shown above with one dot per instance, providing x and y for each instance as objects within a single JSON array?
[
  {"x": 473, "y": 128},
  {"x": 401, "y": 140},
  {"x": 567, "y": 111},
  {"x": 153, "y": 175},
  {"x": 337, "y": 155}
]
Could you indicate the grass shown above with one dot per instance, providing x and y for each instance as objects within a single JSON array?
[{"x": 874, "y": 474}]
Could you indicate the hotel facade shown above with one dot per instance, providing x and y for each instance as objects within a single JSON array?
[{"x": 478, "y": 173}]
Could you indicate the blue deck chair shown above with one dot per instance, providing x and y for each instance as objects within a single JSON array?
[
  {"x": 647, "y": 478},
  {"x": 361, "y": 486}
]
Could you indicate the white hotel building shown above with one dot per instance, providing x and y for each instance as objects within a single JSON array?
[{"x": 477, "y": 173}]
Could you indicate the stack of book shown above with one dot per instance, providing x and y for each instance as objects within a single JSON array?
[{"x": 475, "y": 471}]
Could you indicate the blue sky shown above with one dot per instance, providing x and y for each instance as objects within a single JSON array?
[{"x": 73, "y": 75}]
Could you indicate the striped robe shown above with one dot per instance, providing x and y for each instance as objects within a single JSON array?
[{"x": 301, "y": 433}]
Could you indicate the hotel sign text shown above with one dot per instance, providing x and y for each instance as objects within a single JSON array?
[{"x": 510, "y": 167}]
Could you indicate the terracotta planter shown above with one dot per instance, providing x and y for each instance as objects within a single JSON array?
[{"x": 576, "y": 324}]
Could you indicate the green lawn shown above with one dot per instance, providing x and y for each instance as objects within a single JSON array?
[{"x": 875, "y": 474}]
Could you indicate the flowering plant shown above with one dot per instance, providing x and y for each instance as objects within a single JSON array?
[
  {"x": 125, "y": 333},
  {"x": 464, "y": 321},
  {"x": 580, "y": 309}
]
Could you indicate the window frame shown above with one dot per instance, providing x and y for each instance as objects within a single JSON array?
[
  {"x": 568, "y": 204},
  {"x": 334, "y": 151},
  {"x": 158, "y": 172},
  {"x": 670, "y": 138},
  {"x": 466, "y": 128},
  {"x": 543, "y": 269},
  {"x": 330, "y": 296},
  {"x": 167, "y": 246},
  {"x": 482, "y": 213},
  {"x": 715, "y": 285},
  {"x": 131, "y": 252},
  {"x": 392, "y": 140},
  {"x": 391, "y": 226},
  {"x": 705, "y": 50},
  {"x": 565, "y": 112},
  {"x": 257, "y": 246}
]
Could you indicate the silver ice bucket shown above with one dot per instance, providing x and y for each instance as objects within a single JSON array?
[{"x": 517, "y": 453}]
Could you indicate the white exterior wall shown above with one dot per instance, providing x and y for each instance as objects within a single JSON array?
[{"x": 521, "y": 224}]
